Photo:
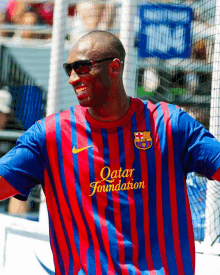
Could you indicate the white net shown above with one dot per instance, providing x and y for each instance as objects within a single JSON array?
[{"x": 176, "y": 52}]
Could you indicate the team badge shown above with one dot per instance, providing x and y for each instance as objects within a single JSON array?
[{"x": 143, "y": 140}]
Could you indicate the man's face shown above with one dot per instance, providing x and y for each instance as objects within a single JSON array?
[{"x": 92, "y": 88}]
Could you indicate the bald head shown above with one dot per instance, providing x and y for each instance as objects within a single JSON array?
[{"x": 100, "y": 45}]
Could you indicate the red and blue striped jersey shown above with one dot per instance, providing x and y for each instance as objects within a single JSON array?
[{"x": 116, "y": 191}]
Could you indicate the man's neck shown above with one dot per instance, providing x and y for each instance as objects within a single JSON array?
[{"x": 111, "y": 111}]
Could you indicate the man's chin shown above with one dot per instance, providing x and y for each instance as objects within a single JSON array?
[{"x": 85, "y": 102}]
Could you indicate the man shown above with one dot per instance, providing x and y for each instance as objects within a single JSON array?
[{"x": 113, "y": 171}]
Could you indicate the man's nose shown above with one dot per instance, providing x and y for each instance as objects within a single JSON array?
[{"x": 73, "y": 77}]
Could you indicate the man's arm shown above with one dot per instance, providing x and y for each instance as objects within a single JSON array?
[
  {"x": 6, "y": 190},
  {"x": 22, "y": 168},
  {"x": 198, "y": 149}
]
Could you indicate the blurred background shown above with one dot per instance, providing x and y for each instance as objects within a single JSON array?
[{"x": 172, "y": 60}]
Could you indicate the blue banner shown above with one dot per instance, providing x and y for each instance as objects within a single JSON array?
[
  {"x": 28, "y": 104},
  {"x": 164, "y": 31}
]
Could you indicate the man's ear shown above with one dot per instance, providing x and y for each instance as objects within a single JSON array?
[{"x": 115, "y": 67}]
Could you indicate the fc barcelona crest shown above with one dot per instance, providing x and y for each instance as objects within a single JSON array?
[{"x": 143, "y": 140}]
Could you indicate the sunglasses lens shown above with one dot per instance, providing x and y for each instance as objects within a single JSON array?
[{"x": 82, "y": 67}]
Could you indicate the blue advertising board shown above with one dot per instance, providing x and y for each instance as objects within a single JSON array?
[{"x": 164, "y": 31}]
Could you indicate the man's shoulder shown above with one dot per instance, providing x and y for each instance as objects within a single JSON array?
[
  {"x": 160, "y": 106},
  {"x": 65, "y": 116},
  {"x": 72, "y": 112}
]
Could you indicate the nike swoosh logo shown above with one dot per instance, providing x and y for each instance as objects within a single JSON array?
[{"x": 76, "y": 151}]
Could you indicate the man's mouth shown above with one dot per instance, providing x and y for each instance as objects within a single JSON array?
[{"x": 81, "y": 91}]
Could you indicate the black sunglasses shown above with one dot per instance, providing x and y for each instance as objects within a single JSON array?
[{"x": 82, "y": 66}]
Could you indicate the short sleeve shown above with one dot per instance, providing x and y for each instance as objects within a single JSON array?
[
  {"x": 199, "y": 150},
  {"x": 23, "y": 166}
]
